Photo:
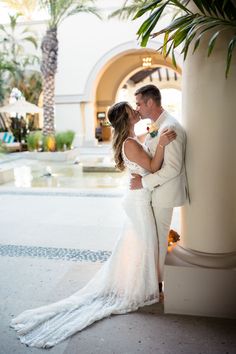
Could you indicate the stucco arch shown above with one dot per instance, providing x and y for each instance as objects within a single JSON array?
[
  {"x": 108, "y": 74},
  {"x": 112, "y": 62}
]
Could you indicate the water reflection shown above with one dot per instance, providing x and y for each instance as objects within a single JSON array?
[
  {"x": 23, "y": 176},
  {"x": 63, "y": 175}
]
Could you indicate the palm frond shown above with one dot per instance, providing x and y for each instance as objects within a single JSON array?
[
  {"x": 13, "y": 38},
  {"x": 150, "y": 23},
  {"x": 61, "y": 9},
  {"x": 84, "y": 9},
  {"x": 32, "y": 40},
  {"x": 148, "y": 7},
  {"x": 129, "y": 9},
  {"x": 231, "y": 46}
]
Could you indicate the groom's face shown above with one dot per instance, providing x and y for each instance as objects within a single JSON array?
[{"x": 142, "y": 106}]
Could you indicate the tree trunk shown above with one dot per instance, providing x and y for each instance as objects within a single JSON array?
[
  {"x": 48, "y": 68},
  {"x": 48, "y": 105}
]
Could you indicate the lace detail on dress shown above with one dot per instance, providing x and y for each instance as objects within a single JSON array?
[{"x": 133, "y": 167}]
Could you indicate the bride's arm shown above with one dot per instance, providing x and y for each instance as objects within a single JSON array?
[{"x": 135, "y": 152}]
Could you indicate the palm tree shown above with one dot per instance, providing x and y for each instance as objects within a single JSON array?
[
  {"x": 14, "y": 60},
  {"x": 12, "y": 46},
  {"x": 7, "y": 71},
  {"x": 188, "y": 27},
  {"x": 58, "y": 11},
  {"x": 13, "y": 39},
  {"x": 6, "y": 67}
]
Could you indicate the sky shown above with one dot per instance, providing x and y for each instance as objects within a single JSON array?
[
  {"x": 42, "y": 15},
  {"x": 4, "y": 11}
]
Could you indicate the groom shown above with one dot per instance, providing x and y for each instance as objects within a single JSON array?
[{"x": 168, "y": 185}]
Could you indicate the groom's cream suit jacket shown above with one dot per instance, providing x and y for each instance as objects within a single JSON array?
[{"x": 169, "y": 184}]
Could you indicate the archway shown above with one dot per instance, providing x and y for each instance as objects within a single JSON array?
[{"x": 112, "y": 72}]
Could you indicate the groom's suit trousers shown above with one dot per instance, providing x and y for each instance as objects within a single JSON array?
[
  {"x": 163, "y": 218},
  {"x": 169, "y": 184}
]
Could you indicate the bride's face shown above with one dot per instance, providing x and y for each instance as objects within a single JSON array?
[{"x": 134, "y": 116}]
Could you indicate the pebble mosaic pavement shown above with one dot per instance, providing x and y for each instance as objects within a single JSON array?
[{"x": 69, "y": 254}]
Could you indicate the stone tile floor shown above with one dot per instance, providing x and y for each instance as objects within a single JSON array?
[{"x": 31, "y": 282}]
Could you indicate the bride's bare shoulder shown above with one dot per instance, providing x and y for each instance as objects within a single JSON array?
[{"x": 131, "y": 147}]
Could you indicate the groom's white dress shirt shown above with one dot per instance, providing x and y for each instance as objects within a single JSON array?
[{"x": 169, "y": 184}]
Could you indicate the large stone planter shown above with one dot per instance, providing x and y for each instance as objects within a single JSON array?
[
  {"x": 6, "y": 175},
  {"x": 53, "y": 156}
]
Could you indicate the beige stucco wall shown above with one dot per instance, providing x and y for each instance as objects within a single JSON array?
[{"x": 84, "y": 39}]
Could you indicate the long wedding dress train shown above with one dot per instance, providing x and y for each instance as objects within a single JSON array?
[{"x": 127, "y": 281}]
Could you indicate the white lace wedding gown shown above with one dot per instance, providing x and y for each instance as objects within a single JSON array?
[{"x": 127, "y": 281}]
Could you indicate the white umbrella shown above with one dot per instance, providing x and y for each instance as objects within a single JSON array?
[{"x": 21, "y": 107}]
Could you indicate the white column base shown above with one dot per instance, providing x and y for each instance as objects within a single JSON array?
[{"x": 192, "y": 289}]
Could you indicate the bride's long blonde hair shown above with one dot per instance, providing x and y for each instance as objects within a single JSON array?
[{"x": 118, "y": 116}]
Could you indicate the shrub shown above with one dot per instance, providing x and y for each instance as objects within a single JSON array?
[
  {"x": 34, "y": 140},
  {"x": 49, "y": 143},
  {"x": 68, "y": 138},
  {"x": 59, "y": 141},
  {"x": 64, "y": 140}
]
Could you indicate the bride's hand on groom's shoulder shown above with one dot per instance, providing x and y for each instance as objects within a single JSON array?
[
  {"x": 135, "y": 182},
  {"x": 167, "y": 136}
]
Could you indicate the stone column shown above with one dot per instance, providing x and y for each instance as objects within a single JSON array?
[
  {"x": 89, "y": 125},
  {"x": 200, "y": 272}
]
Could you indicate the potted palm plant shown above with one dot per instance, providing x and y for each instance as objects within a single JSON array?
[{"x": 192, "y": 21}]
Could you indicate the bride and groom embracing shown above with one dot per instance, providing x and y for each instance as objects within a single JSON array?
[{"x": 132, "y": 277}]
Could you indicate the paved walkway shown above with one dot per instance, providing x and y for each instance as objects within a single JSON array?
[{"x": 51, "y": 243}]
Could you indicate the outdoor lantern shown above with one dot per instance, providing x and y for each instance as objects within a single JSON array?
[{"x": 147, "y": 62}]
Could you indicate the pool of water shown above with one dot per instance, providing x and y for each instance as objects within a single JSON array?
[{"x": 36, "y": 174}]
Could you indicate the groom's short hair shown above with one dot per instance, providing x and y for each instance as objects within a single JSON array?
[{"x": 149, "y": 91}]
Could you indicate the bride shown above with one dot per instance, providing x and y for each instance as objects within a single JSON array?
[{"x": 129, "y": 279}]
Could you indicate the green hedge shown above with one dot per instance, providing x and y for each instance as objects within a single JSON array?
[{"x": 60, "y": 142}]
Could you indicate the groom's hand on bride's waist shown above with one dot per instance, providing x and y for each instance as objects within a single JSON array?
[{"x": 135, "y": 182}]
